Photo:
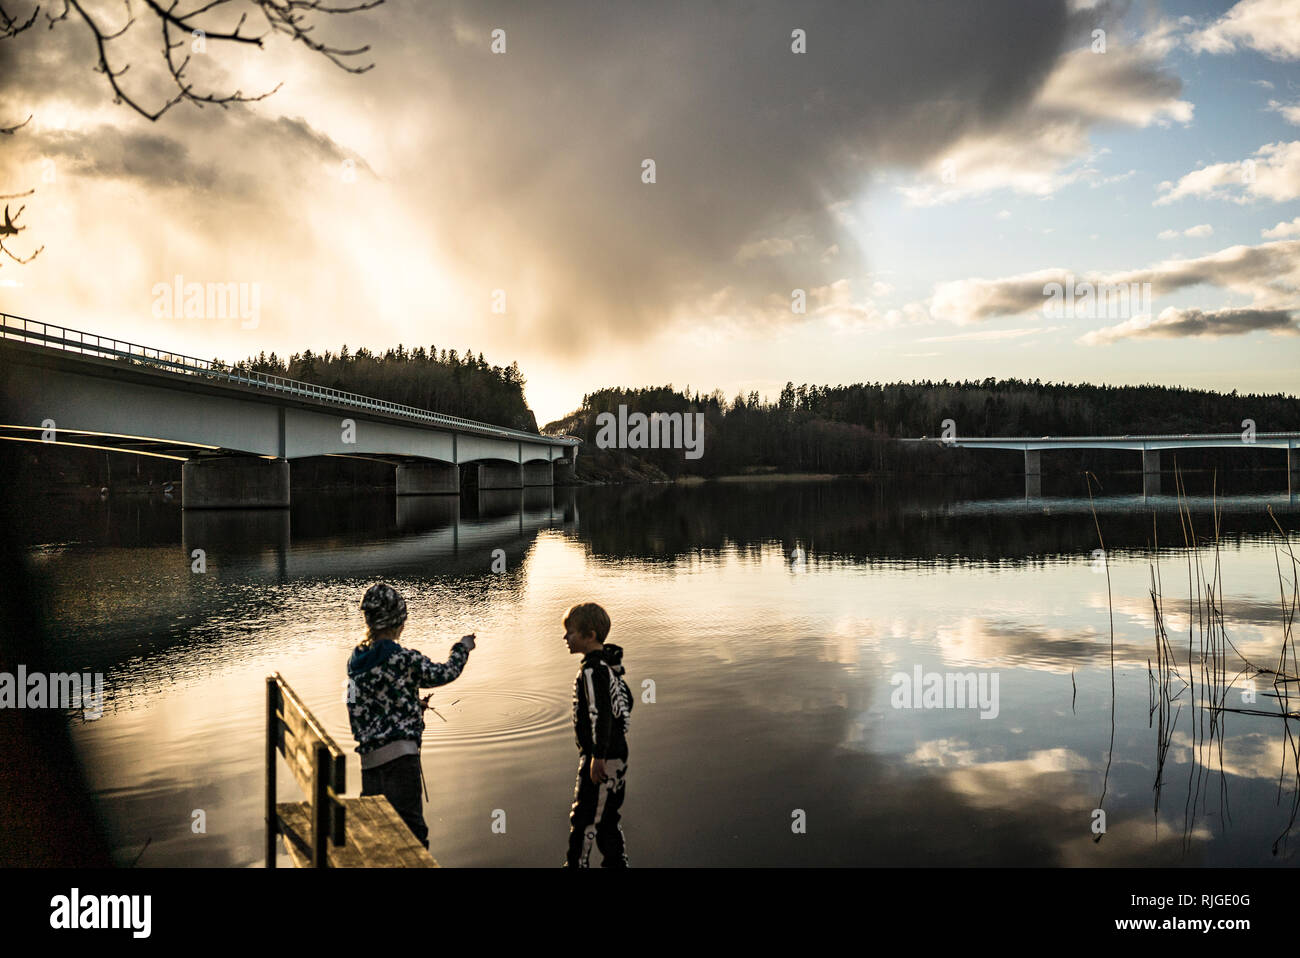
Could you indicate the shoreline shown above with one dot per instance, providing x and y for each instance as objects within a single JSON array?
[{"x": 772, "y": 477}]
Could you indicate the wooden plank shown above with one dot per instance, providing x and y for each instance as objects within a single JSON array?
[
  {"x": 302, "y": 733},
  {"x": 295, "y": 825},
  {"x": 376, "y": 836}
]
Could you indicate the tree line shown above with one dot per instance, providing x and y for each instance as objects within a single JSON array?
[
  {"x": 446, "y": 382},
  {"x": 850, "y": 428}
]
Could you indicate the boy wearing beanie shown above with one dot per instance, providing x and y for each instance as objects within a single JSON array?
[{"x": 384, "y": 708}]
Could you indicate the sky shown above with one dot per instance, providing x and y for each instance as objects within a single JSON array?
[{"x": 839, "y": 193}]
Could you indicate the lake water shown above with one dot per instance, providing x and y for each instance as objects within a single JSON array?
[{"x": 773, "y": 736}]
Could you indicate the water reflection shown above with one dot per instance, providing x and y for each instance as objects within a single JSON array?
[{"x": 769, "y": 616}]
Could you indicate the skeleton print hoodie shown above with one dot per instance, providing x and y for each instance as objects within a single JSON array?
[{"x": 602, "y": 704}]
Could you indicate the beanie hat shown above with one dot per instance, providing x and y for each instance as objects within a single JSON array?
[{"x": 383, "y": 606}]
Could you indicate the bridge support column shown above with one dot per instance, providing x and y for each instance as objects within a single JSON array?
[
  {"x": 1033, "y": 473},
  {"x": 1150, "y": 472},
  {"x": 538, "y": 474},
  {"x": 493, "y": 475},
  {"x": 562, "y": 470},
  {"x": 427, "y": 478},
  {"x": 1293, "y": 469},
  {"x": 235, "y": 482}
]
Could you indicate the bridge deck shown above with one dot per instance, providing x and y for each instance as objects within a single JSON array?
[
  {"x": 120, "y": 354},
  {"x": 1269, "y": 440}
]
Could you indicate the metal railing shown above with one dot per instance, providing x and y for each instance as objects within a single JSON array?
[{"x": 92, "y": 344}]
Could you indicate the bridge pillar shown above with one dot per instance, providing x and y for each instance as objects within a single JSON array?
[
  {"x": 427, "y": 478},
  {"x": 562, "y": 470},
  {"x": 538, "y": 474},
  {"x": 1033, "y": 473},
  {"x": 1150, "y": 472},
  {"x": 1293, "y": 469},
  {"x": 492, "y": 475},
  {"x": 235, "y": 482}
]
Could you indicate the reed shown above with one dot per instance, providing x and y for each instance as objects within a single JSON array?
[{"x": 1214, "y": 666}]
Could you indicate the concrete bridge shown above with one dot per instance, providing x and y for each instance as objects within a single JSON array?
[
  {"x": 1150, "y": 448},
  {"x": 236, "y": 431}
]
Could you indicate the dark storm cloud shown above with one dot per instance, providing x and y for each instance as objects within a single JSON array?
[
  {"x": 542, "y": 146},
  {"x": 524, "y": 169}
]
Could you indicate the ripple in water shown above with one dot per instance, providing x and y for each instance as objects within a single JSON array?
[{"x": 486, "y": 717}]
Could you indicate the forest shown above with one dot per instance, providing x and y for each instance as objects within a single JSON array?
[
  {"x": 444, "y": 382},
  {"x": 848, "y": 429},
  {"x": 842, "y": 430}
]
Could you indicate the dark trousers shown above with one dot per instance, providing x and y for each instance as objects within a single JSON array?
[
  {"x": 594, "y": 818},
  {"x": 400, "y": 782}
]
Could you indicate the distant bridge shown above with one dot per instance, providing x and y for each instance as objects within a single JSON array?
[
  {"x": 235, "y": 430},
  {"x": 1150, "y": 446}
]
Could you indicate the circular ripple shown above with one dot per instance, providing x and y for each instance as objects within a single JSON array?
[{"x": 490, "y": 717}]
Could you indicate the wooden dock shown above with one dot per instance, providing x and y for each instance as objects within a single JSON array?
[{"x": 328, "y": 830}]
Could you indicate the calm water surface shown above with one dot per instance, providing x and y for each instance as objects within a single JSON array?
[{"x": 771, "y": 678}]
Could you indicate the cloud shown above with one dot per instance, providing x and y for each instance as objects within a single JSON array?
[
  {"x": 1045, "y": 146},
  {"x": 522, "y": 171},
  {"x": 1175, "y": 323},
  {"x": 1290, "y": 111},
  {"x": 1196, "y": 232},
  {"x": 1269, "y": 273},
  {"x": 1271, "y": 27},
  {"x": 1273, "y": 173},
  {"x": 760, "y": 249},
  {"x": 987, "y": 335},
  {"x": 1283, "y": 229},
  {"x": 157, "y": 160},
  {"x": 968, "y": 301}
]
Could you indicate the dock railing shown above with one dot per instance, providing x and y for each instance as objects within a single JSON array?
[{"x": 328, "y": 830}]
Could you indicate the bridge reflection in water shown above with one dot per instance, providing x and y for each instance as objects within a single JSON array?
[{"x": 448, "y": 529}]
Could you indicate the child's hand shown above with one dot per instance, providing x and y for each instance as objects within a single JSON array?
[
  {"x": 598, "y": 771},
  {"x": 467, "y": 641}
]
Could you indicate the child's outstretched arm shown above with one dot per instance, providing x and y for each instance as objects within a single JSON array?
[{"x": 431, "y": 673}]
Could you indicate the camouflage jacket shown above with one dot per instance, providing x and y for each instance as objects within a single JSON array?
[{"x": 383, "y": 691}]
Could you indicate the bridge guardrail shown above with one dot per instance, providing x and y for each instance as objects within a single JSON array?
[{"x": 57, "y": 337}]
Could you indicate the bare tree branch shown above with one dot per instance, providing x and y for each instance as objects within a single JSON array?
[
  {"x": 10, "y": 228},
  {"x": 18, "y": 259},
  {"x": 11, "y": 130},
  {"x": 10, "y": 27},
  {"x": 291, "y": 18}
]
